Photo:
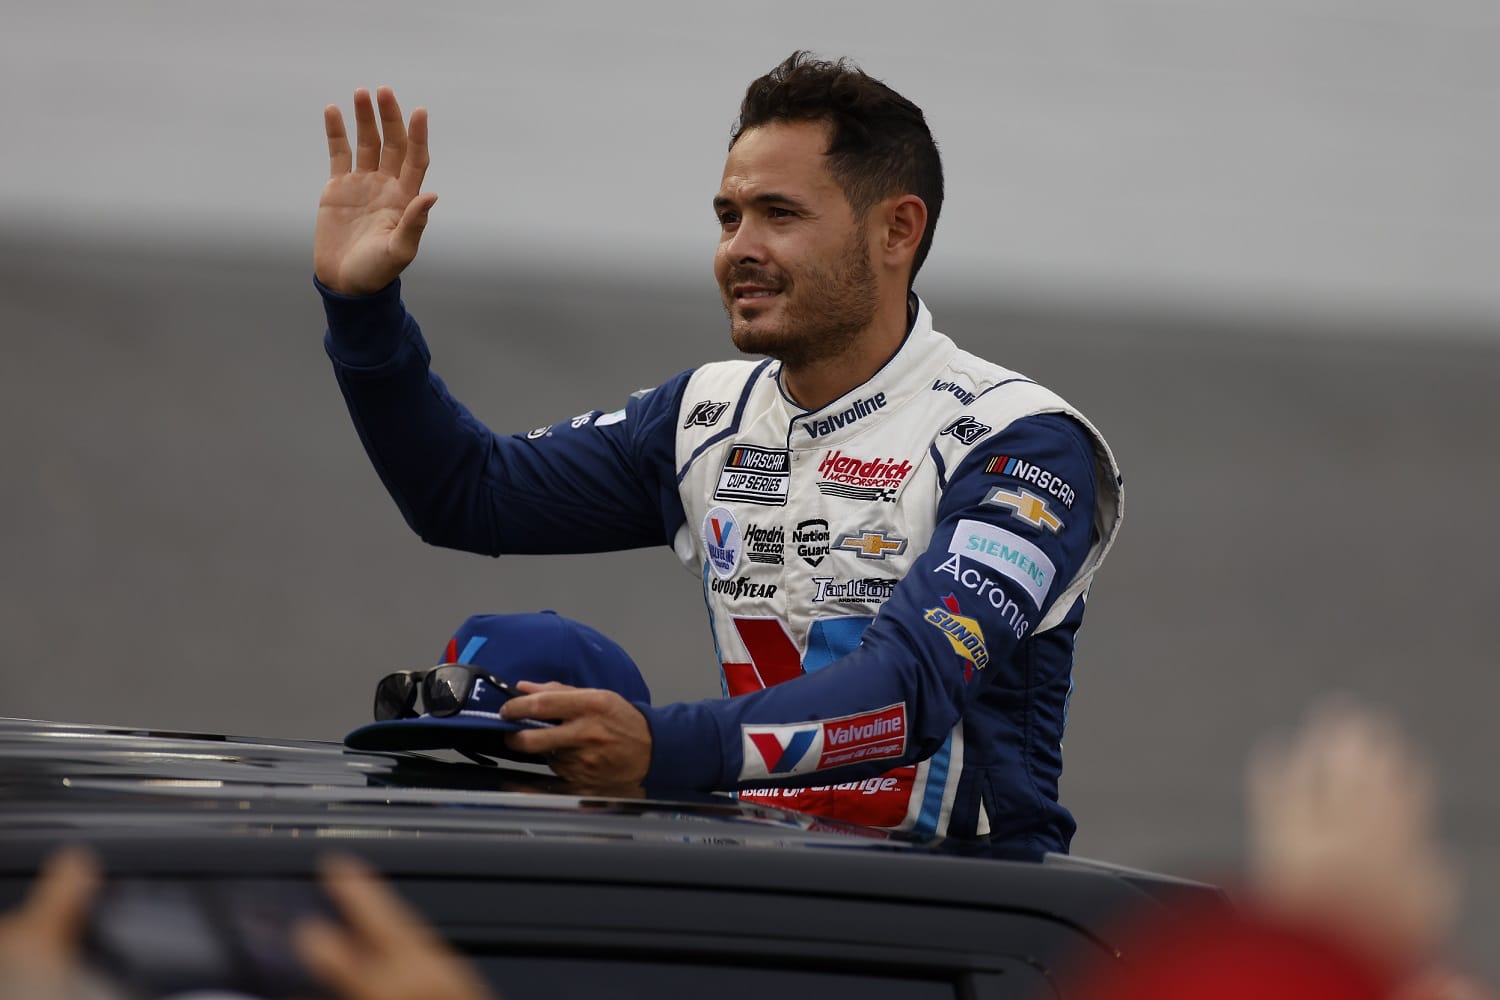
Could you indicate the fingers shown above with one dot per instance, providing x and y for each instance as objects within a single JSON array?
[
  {"x": 58, "y": 902},
  {"x": 414, "y": 166},
  {"x": 340, "y": 158},
  {"x": 408, "y": 234},
  {"x": 373, "y": 911},
  {"x": 366, "y": 133},
  {"x": 330, "y": 955},
  {"x": 393, "y": 152}
]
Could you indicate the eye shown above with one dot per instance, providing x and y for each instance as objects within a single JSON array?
[
  {"x": 728, "y": 218},
  {"x": 779, "y": 213}
]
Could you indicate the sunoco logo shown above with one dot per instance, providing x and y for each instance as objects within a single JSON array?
[
  {"x": 858, "y": 411},
  {"x": 721, "y": 541},
  {"x": 765, "y": 545},
  {"x": 811, "y": 539}
]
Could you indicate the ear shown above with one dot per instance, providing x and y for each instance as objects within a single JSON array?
[{"x": 902, "y": 221}]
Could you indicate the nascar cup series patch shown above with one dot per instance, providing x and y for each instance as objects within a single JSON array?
[
  {"x": 722, "y": 538},
  {"x": 805, "y": 747}
]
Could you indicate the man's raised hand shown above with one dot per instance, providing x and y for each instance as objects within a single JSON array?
[{"x": 373, "y": 211}]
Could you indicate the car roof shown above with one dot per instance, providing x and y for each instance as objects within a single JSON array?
[{"x": 175, "y": 803}]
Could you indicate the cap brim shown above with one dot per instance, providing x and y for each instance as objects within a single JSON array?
[{"x": 484, "y": 734}]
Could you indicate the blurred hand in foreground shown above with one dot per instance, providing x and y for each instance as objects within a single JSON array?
[
  {"x": 373, "y": 211},
  {"x": 39, "y": 941},
  {"x": 385, "y": 951},
  {"x": 1342, "y": 836}
]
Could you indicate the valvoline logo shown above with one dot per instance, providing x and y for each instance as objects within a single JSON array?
[
  {"x": 800, "y": 748},
  {"x": 722, "y": 539}
]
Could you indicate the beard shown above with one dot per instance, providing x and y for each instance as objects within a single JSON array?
[{"x": 823, "y": 309}]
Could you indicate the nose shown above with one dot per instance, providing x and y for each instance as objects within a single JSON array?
[{"x": 744, "y": 245}]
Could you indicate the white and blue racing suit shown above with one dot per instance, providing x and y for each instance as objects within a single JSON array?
[{"x": 894, "y": 581}]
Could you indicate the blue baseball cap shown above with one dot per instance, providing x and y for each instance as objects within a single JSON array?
[{"x": 537, "y": 646}]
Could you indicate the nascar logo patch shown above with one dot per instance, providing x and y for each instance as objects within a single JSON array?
[{"x": 807, "y": 747}]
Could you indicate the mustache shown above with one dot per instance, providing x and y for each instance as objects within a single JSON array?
[{"x": 754, "y": 276}]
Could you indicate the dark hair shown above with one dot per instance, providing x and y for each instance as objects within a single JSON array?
[{"x": 880, "y": 143}]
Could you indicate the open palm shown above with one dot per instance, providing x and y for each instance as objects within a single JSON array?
[{"x": 373, "y": 211}]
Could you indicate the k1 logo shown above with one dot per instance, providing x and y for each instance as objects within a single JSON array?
[{"x": 705, "y": 414}]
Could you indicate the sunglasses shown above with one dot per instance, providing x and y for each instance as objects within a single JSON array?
[{"x": 442, "y": 691}]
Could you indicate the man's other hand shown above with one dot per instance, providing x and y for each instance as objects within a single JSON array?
[
  {"x": 385, "y": 951},
  {"x": 373, "y": 211},
  {"x": 601, "y": 741},
  {"x": 39, "y": 941}
]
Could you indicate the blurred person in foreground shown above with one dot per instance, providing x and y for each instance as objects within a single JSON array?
[
  {"x": 1348, "y": 895},
  {"x": 895, "y": 536},
  {"x": 382, "y": 950}
]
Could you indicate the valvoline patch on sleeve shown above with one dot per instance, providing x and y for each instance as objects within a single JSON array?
[{"x": 774, "y": 751}]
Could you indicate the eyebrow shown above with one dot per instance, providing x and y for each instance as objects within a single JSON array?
[{"x": 766, "y": 198}]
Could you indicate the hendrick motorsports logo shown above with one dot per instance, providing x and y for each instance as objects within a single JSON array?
[
  {"x": 755, "y": 475},
  {"x": 857, "y": 479},
  {"x": 801, "y": 748},
  {"x": 721, "y": 541}
]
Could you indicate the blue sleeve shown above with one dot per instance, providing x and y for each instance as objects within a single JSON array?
[
  {"x": 598, "y": 482},
  {"x": 1003, "y": 549}
]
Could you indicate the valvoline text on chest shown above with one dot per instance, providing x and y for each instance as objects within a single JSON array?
[{"x": 861, "y": 408}]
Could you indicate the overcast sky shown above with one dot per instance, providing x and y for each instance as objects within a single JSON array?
[{"x": 1326, "y": 153}]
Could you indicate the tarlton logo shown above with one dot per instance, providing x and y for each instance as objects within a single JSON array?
[
  {"x": 963, "y": 634},
  {"x": 755, "y": 475},
  {"x": 1026, "y": 506},
  {"x": 811, "y": 539},
  {"x": 765, "y": 545},
  {"x": 721, "y": 541},
  {"x": 967, "y": 429},
  {"x": 871, "y": 544},
  {"x": 876, "y": 591},
  {"x": 963, "y": 395},
  {"x": 857, "y": 479},
  {"x": 1030, "y": 472},
  {"x": 705, "y": 414},
  {"x": 743, "y": 587},
  {"x": 860, "y": 409},
  {"x": 800, "y": 748}
]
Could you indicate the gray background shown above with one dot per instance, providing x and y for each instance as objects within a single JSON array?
[{"x": 1256, "y": 242}]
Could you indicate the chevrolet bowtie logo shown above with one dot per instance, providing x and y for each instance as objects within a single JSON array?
[
  {"x": 871, "y": 545},
  {"x": 1027, "y": 506}
]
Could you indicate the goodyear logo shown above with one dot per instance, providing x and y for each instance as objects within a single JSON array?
[{"x": 963, "y": 634}]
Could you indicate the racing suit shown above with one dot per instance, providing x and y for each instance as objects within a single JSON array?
[{"x": 894, "y": 581}]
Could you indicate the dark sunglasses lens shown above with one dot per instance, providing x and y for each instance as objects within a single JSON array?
[
  {"x": 394, "y": 697},
  {"x": 445, "y": 689}
]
